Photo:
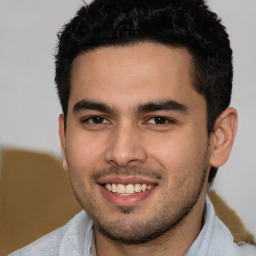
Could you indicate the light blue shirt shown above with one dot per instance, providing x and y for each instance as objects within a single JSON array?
[
  {"x": 216, "y": 240},
  {"x": 76, "y": 238}
]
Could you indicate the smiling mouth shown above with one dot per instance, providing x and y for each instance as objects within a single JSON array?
[{"x": 127, "y": 190}]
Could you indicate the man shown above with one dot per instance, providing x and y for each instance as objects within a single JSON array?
[{"x": 145, "y": 88}]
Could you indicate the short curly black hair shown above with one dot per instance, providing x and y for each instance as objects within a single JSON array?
[{"x": 177, "y": 23}]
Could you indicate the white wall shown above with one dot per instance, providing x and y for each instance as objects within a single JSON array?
[
  {"x": 236, "y": 180},
  {"x": 28, "y": 101}
]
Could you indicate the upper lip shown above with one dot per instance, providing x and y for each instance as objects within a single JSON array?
[{"x": 126, "y": 180}]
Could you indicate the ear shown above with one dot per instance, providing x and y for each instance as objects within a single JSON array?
[
  {"x": 63, "y": 140},
  {"x": 223, "y": 136}
]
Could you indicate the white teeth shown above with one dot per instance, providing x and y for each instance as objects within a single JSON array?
[
  {"x": 120, "y": 189},
  {"x": 149, "y": 187},
  {"x": 127, "y": 189},
  {"x": 137, "y": 188},
  {"x": 144, "y": 187},
  {"x": 114, "y": 188},
  {"x": 108, "y": 187}
]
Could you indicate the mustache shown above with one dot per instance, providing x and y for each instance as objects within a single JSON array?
[{"x": 127, "y": 171}]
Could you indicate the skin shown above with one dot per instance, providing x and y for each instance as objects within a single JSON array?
[{"x": 113, "y": 134}]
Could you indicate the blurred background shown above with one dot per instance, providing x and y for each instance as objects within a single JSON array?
[{"x": 29, "y": 106}]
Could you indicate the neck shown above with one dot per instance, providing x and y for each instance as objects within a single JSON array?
[{"x": 175, "y": 242}]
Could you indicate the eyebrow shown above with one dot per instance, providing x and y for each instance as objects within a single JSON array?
[
  {"x": 163, "y": 105},
  {"x": 173, "y": 105},
  {"x": 92, "y": 105}
]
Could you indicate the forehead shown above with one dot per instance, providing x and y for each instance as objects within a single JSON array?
[{"x": 134, "y": 73}]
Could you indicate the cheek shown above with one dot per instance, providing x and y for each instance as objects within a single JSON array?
[
  {"x": 83, "y": 156},
  {"x": 178, "y": 153},
  {"x": 84, "y": 152}
]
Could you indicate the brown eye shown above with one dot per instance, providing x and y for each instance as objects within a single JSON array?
[
  {"x": 158, "y": 120},
  {"x": 95, "y": 120}
]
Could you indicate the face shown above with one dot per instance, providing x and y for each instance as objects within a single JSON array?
[{"x": 136, "y": 144}]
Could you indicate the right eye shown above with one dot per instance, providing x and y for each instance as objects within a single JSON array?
[{"x": 96, "y": 120}]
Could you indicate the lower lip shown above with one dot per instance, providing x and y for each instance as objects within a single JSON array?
[{"x": 125, "y": 200}]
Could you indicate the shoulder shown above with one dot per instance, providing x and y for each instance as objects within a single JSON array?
[
  {"x": 220, "y": 239},
  {"x": 246, "y": 249},
  {"x": 224, "y": 241},
  {"x": 50, "y": 244}
]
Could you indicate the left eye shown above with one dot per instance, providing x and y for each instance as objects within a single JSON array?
[
  {"x": 95, "y": 120},
  {"x": 160, "y": 120}
]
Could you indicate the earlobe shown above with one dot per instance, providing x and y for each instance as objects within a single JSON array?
[
  {"x": 223, "y": 137},
  {"x": 63, "y": 140}
]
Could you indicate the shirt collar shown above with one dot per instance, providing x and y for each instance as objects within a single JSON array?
[
  {"x": 89, "y": 248},
  {"x": 202, "y": 243}
]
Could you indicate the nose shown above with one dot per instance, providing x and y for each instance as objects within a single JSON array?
[{"x": 125, "y": 147}]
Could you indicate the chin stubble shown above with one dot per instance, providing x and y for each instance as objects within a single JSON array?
[{"x": 145, "y": 231}]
